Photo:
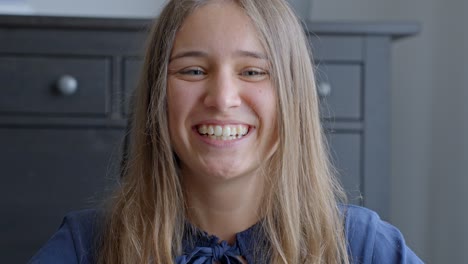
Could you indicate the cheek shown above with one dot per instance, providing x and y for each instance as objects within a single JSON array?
[
  {"x": 181, "y": 101},
  {"x": 270, "y": 111},
  {"x": 266, "y": 103},
  {"x": 175, "y": 107},
  {"x": 177, "y": 100},
  {"x": 273, "y": 122},
  {"x": 267, "y": 110}
]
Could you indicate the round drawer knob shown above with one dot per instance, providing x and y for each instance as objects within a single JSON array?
[
  {"x": 67, "y": 85},
  {"x": 324, "y": 89}
]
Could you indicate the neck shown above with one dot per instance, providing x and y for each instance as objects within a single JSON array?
[{"x": 224, "y": 208}]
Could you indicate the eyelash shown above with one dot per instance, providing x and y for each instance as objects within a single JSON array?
[
  {"x": 192, "y": 71},
  {"x": 255, "y": 73},
  {"x": 249, "y": 73}
]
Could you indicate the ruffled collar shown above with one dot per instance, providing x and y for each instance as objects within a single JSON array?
[{"x": 201, "y": 248}]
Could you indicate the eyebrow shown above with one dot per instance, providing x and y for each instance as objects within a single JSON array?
[
  {"x": 252, "y": 54},
  {"x": 238, "y": 53},
  {"x": 191, "y": 53}
]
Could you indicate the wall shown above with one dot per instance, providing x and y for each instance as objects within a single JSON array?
[
  {"x": 449, "y": 171},
  {"x": 97, "y": 8}
]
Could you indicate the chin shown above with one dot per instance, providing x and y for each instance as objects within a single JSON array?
[{"x": 224, "y": 174}]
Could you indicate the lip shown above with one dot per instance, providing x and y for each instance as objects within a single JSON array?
[{"x": 222, "y": 122}]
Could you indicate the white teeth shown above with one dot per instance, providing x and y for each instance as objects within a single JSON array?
[
  {"x": 203, "y": 129},
  {"x": 218, "y": 131},
  {"x": 243, "y": 130},
  {"x": 226, "y": 132}
]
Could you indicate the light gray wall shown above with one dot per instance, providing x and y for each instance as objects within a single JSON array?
[
  {"x": 449, "y": 173},
  {"x": 447, "y": 114},
  {"x": 96, "y": 8}
]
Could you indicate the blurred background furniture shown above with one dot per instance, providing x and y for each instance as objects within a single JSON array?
[{"x": 64, "y": 89}]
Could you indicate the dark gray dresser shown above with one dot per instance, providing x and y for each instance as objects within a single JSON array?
[{"x": 63, "y": 108}]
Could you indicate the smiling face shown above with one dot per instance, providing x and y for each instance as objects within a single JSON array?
[{"x": 221, "y": 101}]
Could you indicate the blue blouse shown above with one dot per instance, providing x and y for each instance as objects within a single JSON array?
[{"x": 370, "y": 240}]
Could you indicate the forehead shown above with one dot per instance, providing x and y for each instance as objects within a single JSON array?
[{"x": 218, "y": 26}]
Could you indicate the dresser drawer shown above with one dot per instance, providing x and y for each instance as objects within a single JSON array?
[
  {"x": 339, "y": 88},
  {"x": 47, "y": 173},
  {"x": 131, "y": 70},
  {"x": 31, "y": 85}
]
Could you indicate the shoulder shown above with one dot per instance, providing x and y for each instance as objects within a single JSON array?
[
  {"x": 372, "y": 240},
  {"x": 74, "y": 241}
]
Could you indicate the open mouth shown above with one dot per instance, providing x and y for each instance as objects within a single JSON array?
[{"x": 223, "y": 132}]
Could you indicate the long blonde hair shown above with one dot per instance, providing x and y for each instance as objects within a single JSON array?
[{"x": 301, "y": 218}]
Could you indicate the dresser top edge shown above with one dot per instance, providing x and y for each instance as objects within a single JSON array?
[{"x": 394, "y": 29}]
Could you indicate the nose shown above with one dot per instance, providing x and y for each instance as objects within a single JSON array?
[{"x": 223, "y": 92}]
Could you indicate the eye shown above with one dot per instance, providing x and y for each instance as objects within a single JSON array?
[
  {"x": 192, "y": 71},
  {"x": 254, "y": 74},
  {"x": 192, "y": 74}
]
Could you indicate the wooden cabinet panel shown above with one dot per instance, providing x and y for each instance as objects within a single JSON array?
[
  {"x": 346, "y": 156},
  {"x": 344, "y": 98},
  {"x": 47, "y": 173},
  {"x": 30, "y": 85},
  {"x": 131, "y": 71}
]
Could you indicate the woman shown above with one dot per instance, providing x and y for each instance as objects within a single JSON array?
[{"x": 228, "y": 162}]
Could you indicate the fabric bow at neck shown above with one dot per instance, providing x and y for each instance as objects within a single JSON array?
[{"x": 222, "y": 253}]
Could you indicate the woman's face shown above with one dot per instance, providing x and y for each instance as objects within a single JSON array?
[{"x": 221, "y": 101}]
